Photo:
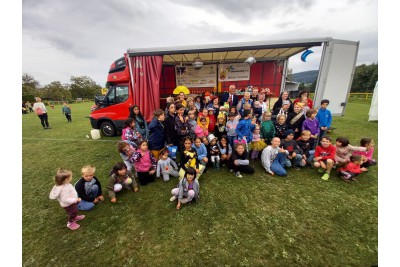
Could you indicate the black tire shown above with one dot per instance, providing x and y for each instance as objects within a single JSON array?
[{"x": 107, "y": 129}]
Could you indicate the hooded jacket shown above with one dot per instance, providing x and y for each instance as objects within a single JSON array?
[{"x": 65, "y": 194}]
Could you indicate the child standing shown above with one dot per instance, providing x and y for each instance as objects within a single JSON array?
[
  {"x": 295, "y": 120},
  {"x": 257, "y": 144},
  {"x": 231, "y": 125},
  {"x": 66, "y": 110},
  {"x": 187, "y": 189},
  {"x": 212, "y": 120},
  {"x": 130, "y": 134},
  {"x": 246, "y": 126},
  {"x": 120, "y": 177},
  {"x": 66, "y": 194},
  {"x": 280, "y": 127},
  {"x": 88, "y": 189},
  {"x": 220, "y": 127},
  {"x": 273, "y": 158},
  {"x": 257, "y": 110},
  {"x": 239, "y": 161},
  {"x": 324, "y": 157},
  {"x": 324, "y": 117},
  {"x": 166, "y": 166},
  {"x": 202, "y": 128},
  {"x": 352, "y": 169},
  {"x": 344, "y": 150},
  {"x": 192, "y": 123},
  {"x": 267, "y": 128},
  {"x": 311, "y": 124},
  {"x": 214, "y": 151},
  {"x": 156, "y": 133},
  {"x": 145, "y": 163},
  {"x": 367, "y": 159}
]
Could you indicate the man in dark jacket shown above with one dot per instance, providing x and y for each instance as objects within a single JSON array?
[{"x": 230, "y": 97}]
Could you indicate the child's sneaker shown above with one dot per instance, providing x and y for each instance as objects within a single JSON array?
[
  {"x": 237, "y": 174},
  {"x": 321, "y": 170},
  {"x": 325, "y": 177},
  {"x": 173, "y": 198},
  {"x": 73, "y": 225},
  {"x": 79, "y": 217}
]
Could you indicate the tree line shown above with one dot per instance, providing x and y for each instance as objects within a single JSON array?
[
  {"x": 80, "y": 87},
  {"x": 364, "y": 80}
]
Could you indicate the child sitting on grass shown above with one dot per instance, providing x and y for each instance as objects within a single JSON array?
[
  {"x": 66, "y": 194},
  {"x": 88, "y": 189},
  {"x": 273, "y": 158},
  {"x": 352, "y": 169},
  {"x": 166, "y": 166},
  {"x": 187, "y": 189},
  {"x": 344, "y": 150},
  {"x": 126, "y": 150},
  {"x": 367, "y": 159},
  {"x": 324, "y": 157},
  {"x": 295, "y": 156},
  {"x": 304, "y": 143},
  {"x": 239, "y": 161},
  {"x": 120, "y": 177}
]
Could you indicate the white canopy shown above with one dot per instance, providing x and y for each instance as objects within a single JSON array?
[{"x": 373, "y": 110}]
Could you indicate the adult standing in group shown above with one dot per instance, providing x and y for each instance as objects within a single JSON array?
[
  {"x": 40, "y": 109},
  {"x": 263, "y": 103},
  {"x": 140, "y": 122},
  {"x": 230, "y": 97},
  {"x": 215, "y": 106},
  {"x": 245, "y": 100},
  {"x": 171, "y": 136},
  {"x": 302, "y": 95},
  {"x": 278, "y": 104}
]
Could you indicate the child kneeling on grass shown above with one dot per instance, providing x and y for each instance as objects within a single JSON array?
[
  {"x": 120, "y": 177},
  {"x": 324, "y": 157},
  {"x": 352, "y": 169},
  {"x": 66, "y": 194},
  {"x": 88, "y": 189},
  {"x": 187, "y": 189}
]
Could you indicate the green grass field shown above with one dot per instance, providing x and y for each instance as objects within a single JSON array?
[{"x": 257, "y": 220}]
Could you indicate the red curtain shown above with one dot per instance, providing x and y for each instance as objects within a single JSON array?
[{"x": 146, "y": 71}]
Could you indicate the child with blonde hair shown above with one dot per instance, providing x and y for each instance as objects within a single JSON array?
[
  {"x": 66, "y": 194},
  {"x": 220, "y": 126},
  {"x": 88, "y": 188},
  {"x": 257, "y": 144}
]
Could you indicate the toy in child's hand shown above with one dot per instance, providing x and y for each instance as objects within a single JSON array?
[
  {"x": 117, "y": 187},
  {"x": 128, "y": 181}
]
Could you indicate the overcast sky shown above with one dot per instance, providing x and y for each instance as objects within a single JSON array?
[{"x": 61, "y": 39}]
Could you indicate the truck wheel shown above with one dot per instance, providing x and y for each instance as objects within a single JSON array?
[{"x": 107, "y": 128}]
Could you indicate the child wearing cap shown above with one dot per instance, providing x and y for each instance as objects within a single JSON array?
[
  {"x": 295, "y": 156},
  {"x": 267, "y": 128},
  {"x": 230, "y": 127}
]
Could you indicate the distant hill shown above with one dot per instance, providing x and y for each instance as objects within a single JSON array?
[{"x": 305, "y": 76}]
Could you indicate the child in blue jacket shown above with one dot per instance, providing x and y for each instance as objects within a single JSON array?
[
  {"x": 324, "y": 118},
  {"x": 246, "y": 126}
]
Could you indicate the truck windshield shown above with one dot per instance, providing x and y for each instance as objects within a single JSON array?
[{"x": 117, "y": 94}]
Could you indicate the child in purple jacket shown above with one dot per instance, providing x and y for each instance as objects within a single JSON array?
[{"x": 311, "y": 124}]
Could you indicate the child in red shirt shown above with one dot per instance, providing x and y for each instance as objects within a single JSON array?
[
  {"x": 324, "y": 157},
  {"x": 352, "y": 169},
  {"x": 212, "y": 120}
]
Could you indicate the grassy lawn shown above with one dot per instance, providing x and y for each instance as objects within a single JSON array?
[{"x": 257, "y": 220}]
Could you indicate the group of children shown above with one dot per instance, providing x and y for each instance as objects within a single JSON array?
[{"x": 291, "y": 141}]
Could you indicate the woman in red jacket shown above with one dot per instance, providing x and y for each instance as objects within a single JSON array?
[{"x": 301, "y": 94}]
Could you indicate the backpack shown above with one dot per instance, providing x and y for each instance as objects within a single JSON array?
[{"x": 39, "y": 111}]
